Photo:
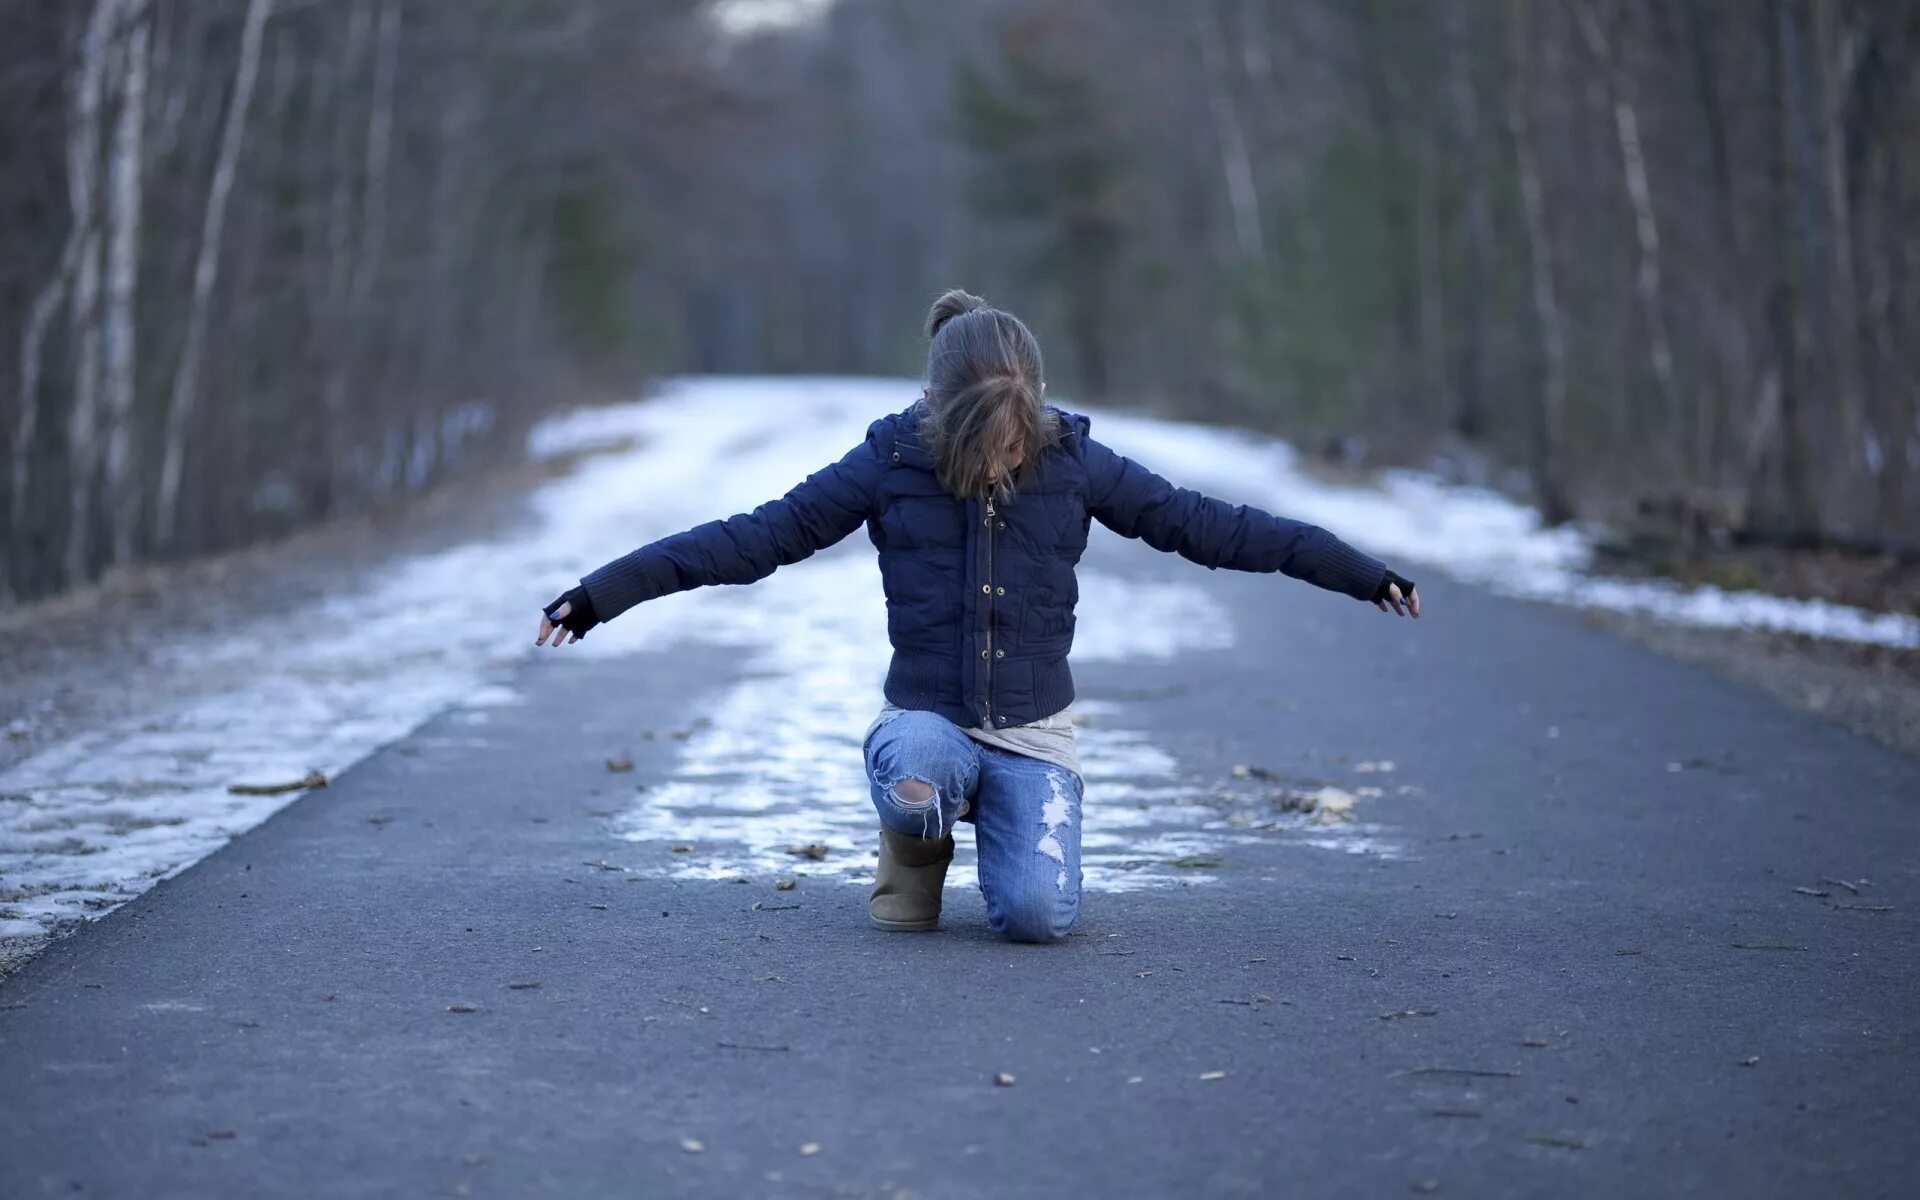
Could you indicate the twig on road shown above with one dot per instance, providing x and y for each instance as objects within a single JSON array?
[
  {"x": 1763, "y": 946},
  {"x": 745, "y": 1046},
  {"x": 1475, "y": 1072},
  {"x": 313, "y": 779},
  {"x": 1842, "y": 883}
]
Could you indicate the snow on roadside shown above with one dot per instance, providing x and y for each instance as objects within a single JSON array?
[
  {"x": 91, "y": 821},
  {"x": 1472, "y": 534}
]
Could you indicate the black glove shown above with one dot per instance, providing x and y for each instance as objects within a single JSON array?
[
  {"x": 580, "y": 616},
  {"x": 1391, "y": 580}
]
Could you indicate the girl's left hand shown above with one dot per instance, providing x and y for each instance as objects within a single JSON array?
[{"x": 1397, "y": 591}]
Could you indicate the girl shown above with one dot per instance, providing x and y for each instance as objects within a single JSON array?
[{"x": 978, "y": 497}]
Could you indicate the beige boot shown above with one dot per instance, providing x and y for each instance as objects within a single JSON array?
[{"x": 908, "y": 880}]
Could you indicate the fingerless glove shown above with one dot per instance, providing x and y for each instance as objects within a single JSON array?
[
  {"x": 1389, "y": 580},
  {"x": 580, "y": 616}
]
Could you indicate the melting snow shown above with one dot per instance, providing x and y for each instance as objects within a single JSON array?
[
  {"x": 1470, "y": 533},
  {"x": 88, "y": 823}
]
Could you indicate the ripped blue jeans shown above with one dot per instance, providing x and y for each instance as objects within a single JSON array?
[{"x": 1025, "y": 814}]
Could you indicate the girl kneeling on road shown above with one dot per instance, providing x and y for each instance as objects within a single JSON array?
[{"x": 978, "y": 497}]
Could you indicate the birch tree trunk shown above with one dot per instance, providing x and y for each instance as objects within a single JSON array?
[
  {"x": 1551, "y": 412},
  {"x": 1429, "y": 282},
  {"x": 1243, "y": 192},
  {"x": 27, "y": 423},
  {"x": 82, "y": 153},
  {"x": 1897, "y": 300},
  {"x": 124, "y": 197},
  {"x": 1469, "y": 416},
  {"x": 1602, "y": 39},
  {"x": 83, "y": 167},
  {"x": 205, "y": 274},
  {"x": 359, "y": 253},
  {"x": 339, "y": 314},
  {"x": 1788, "y": 320},
  {"x": 1726, "y": 325},
  {"x": 1837, "y": 56},
  {"x": 373, "y": 214}
]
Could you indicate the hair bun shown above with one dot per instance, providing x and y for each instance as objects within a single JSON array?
[{"x": 949, "y": 306}]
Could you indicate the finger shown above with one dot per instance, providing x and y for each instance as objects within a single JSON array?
[
  {"x": 1393, "y": 598},
  {"x": 1413, "y": 602},
  {"x": 1381, "y": 605},
  {"x": 560, "y": 614},
  {"x": 546, "y": 627},
  {"x": 572, "y": 637}
]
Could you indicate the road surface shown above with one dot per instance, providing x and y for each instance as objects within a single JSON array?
[{"x": 1596, "y": 924}]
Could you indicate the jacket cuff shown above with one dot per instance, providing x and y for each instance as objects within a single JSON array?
[
  {"x": 1343, "y": 569},
  {"x": 623, "y": 583}
]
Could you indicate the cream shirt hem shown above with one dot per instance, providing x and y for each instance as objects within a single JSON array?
[{"x": 1050, "y": 739}]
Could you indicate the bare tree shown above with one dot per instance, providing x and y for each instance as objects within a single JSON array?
[
  {"x": 1837, "y": 50},
  {"x": 125, "y": 199},
  {"x": 206, "y": 273},
  {"x": 83, "y": 448},
  {"x": 264, "y": 264},
  {"x": 1235, "y": 163},
  {"x": 1602, "y": 34},
  {"x": 1476, "y": 227},
  {"x": 1550, "y": 417}
]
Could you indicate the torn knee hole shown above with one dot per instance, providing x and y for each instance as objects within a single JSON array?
[{"x": 913, "y": 792}]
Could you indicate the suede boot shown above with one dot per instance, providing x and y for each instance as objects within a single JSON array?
[{"x": 908, "y": 880}]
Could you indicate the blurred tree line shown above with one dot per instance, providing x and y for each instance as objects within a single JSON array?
[
  {"x": 263, "y": 261},
  {"x": 268, "y": 260}
]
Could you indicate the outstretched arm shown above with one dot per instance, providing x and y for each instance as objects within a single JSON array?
[
  {"x": 819, "y": 511},
  {"x": 1134, "y": 502}
]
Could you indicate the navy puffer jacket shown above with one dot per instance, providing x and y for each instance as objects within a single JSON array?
[{"x": 980, "y": 597}]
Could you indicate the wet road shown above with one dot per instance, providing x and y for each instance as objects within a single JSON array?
[{"x": 1608, "y": 924}]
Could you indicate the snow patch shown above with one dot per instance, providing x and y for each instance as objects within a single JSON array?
[{"x": 1473, "y": 534}]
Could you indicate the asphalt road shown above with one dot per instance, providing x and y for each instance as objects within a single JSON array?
[{"x": 1585, "y": 971}]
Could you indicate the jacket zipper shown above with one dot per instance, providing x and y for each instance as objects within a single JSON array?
[{"x": 987, "y": 699}]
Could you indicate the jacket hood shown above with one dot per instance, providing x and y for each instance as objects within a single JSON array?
[{"x": 1074, "y": 423}]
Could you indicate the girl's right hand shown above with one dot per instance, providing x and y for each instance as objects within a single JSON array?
[{"x": 567, "y": 618}]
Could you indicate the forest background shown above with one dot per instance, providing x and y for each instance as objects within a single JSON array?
[{"x": 1650, "y": 262}]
